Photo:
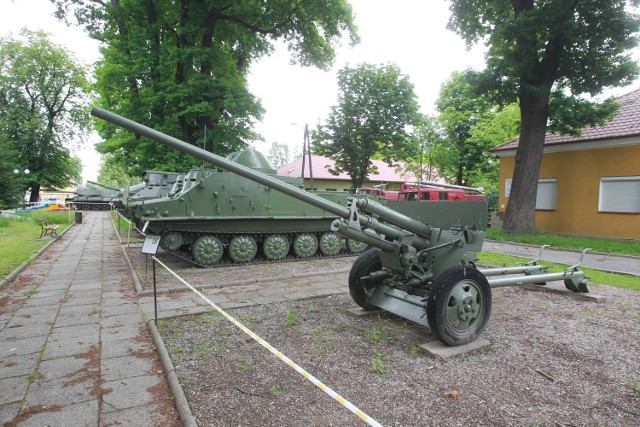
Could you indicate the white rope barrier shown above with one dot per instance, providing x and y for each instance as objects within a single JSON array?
[{"x": 279, "y": 355}]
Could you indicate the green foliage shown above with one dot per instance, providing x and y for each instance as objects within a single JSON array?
[
  {"x": 181, "y": 68},
  {"x": 426, "y": 137},
  {"x": 292, "y": 317},
  {"x": 376, "y": 105},
  {"x": 377, "y": 365},
  {"x": 569, "y": 242},
  {"x": 461, "y": 109},
  {"x": 279, "y": 154},
  {"x": 112, "y": 173},
  {"x": 42, "y": 114},
  {"x": 546, "y": 55}
]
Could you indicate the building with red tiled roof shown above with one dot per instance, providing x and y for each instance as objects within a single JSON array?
[
  {"x": 588, "y": 185},
  {"x": 391, "y": 176}
]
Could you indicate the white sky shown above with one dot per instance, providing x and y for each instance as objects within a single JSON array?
[{"x": 409, "y": 33}]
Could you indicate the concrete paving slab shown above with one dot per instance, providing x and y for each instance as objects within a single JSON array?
[
  {"x": 62, "y": 367},
  {"x": 139, "y": 416},
  {"x": 79, "y": 414},
  {"x": 18, "y": 366},
  {"x": 17, "y": 332},
  {"x": 60, "y": 391},
  {"x": 118, "y": 333},
  {"x": 117, "y": 368},
  {"x": 128, "y": 393},
  {"x": 68, "y": 348},
  {"x": 8, "y": 412},
  {"x": 22, "y": 346},
  {"x": 565, "y": 292},
  {"x": 438, "y": 350},
  {"x": 13, "y": 389}
]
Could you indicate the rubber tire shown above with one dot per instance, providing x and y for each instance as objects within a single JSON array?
[
  {"x": 440, "y": 297},
  {"x": 366, "y": 263}
]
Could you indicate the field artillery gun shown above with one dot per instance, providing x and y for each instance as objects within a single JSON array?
[{"x": 419, "y": 268}]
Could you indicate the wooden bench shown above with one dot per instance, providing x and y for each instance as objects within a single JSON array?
[{"x": 51, "y": 230}]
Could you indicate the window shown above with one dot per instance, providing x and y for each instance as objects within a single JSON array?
[
  {"x": 619, "y": 194},
  {"x": 547, "y": 194}
]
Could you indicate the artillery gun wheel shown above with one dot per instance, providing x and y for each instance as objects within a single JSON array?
[
  {"x": 275, "y": 247},
  {"x": 361, "y": 290},
  {"x": 330, "y": 244},
  {"x": 243, "y": 248},
  {"x": 305, "y": 245},
  {"x": 171, "y": 241},
  {"x": 459, "y": 305},
  {"x": 207, "y": 250},
  {"x": 356, "y": 247}
]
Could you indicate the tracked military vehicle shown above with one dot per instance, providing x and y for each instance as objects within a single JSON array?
[
  {"x": 154, "y": 185},
  {"x": 215, "y": 215},
  {"x": 93, "y": 198}
]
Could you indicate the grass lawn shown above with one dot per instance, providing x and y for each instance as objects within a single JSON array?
[
  {"x": 626, "y": 247},
  {"x": 19, "y": 239}
]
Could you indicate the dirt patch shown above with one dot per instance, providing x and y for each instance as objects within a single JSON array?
[{"x": 552, "y": 361}]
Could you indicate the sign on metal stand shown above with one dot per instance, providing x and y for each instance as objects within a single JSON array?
[{"x": 150, "y": 247}]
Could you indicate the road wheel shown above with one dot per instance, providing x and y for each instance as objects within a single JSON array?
[
  {"x": 362, "y": 290},
  {"x": 330, "y": 244},
  {"x": 459, "y": 305},
  {"x": 275, "y": 247},
  {"x": 305, "y": 245},
  {"x": 171, "y": 241},
  {"x": 356, "y": 247},
  {"x": 207, "y": 250},
  {"x": 243, "y": 248}
]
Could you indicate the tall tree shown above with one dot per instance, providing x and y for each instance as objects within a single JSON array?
[
  {"x": 279, "y": 154},
  {"x": 460, "y": 108},
  {"x": 112, "y": 173},
  {"x": 546, "y": 53},
  {"x": 500, "y": 127},
  {"x": 181, "y": 67},
  {"x": 376, "y": 107},
  {"x": 426, "y": 137},
  {"x": 43, "y": 99}
]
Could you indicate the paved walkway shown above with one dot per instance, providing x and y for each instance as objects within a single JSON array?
[{"x": 74, "y": 348}]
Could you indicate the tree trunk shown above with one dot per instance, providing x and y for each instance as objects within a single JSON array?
[
  {"x": 521, "y": 208},
  {"x": 35, "y": 193}
]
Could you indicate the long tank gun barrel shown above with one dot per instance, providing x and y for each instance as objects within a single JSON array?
[{"x": 97, "y": 184}]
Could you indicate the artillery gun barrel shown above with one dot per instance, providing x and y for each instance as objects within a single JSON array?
[{"x": 221, "y": 162}]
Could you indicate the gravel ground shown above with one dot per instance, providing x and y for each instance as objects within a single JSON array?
[{"x": 553, "y": 361}]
